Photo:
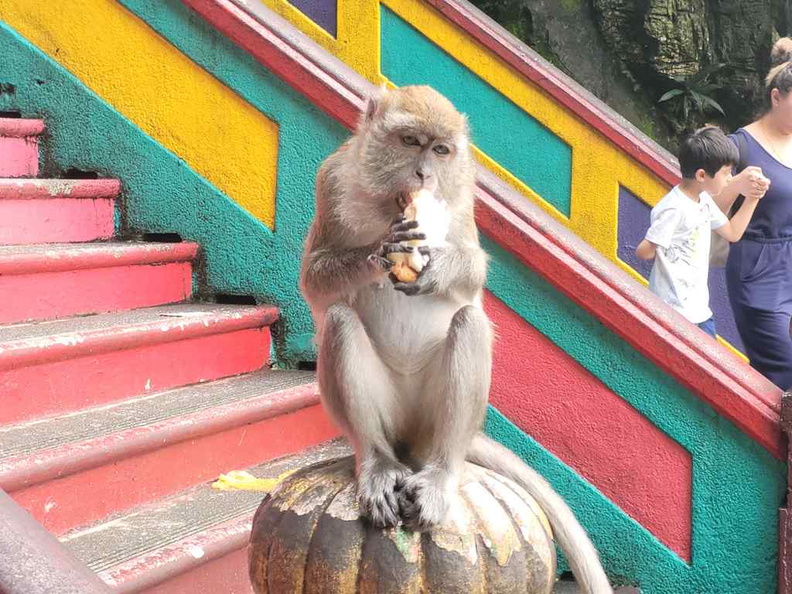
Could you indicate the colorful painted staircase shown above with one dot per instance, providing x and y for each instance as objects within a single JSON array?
[
  {"x": 667, "y": 446},
  {"x": 122, "y": 398},
  {"x": 122, "y": 401}
]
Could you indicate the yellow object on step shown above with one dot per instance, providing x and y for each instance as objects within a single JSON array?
[{"x": 241, "y": 480}]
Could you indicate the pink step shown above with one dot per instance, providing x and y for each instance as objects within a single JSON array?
[
  {"x": 56, "y": 210},
  {"x": 76, "y": 469},
  {"x": 48, "y": 281},
  {"x": 66, "y": 365},
  {"x": 195, "y": 541},
  {"x": 19, "y": 149}
]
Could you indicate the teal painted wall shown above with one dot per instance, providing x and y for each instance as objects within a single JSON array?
[{"x": 529, "y": 151}]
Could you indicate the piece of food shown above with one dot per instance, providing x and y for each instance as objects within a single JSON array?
[{"x": 433, "y": 221}]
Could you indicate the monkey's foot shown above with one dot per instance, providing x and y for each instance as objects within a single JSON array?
[
  {"x": 378, "y": 483},
  {"x": 240, "y": 480},
  {"x": 424, "y": 499}
]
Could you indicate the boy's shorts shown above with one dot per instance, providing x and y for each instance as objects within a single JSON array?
[{"x": 708, "y": 326}]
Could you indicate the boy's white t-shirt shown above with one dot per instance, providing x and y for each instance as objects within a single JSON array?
[{"x": 681, "y": 230}]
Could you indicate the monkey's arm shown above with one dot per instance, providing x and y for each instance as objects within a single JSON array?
[
  {"x": 331, "y": 271},
  {"x": 458, "y": 268},
  {"x": 331, "y": 274}
]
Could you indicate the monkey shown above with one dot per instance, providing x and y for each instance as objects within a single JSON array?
[{"x": 404, "y": 368}]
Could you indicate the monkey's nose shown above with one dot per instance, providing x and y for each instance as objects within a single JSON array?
[{"x": 421, "y": 174}]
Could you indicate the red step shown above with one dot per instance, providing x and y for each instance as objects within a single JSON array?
[
  {"x": 193, "y": 542},
  {"x": 65, "y": 365},
  {"x": 56, "y": 210},
  {"x": 47, "y": 281},
  {"x": 71, "y": 470},
  {"x": 19, "y": 151}
]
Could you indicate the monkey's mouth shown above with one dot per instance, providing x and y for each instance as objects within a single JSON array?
[{"x": 401, "y": 201}]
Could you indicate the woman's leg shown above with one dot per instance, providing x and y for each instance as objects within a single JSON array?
[{"x": 768, "y": 344}]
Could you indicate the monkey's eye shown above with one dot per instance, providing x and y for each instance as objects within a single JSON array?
[
  {"x": 411, "y": 140},
  {"x": 441, "y": 149}
]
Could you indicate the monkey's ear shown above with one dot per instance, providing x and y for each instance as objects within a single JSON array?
[
  {"x": 374, "y": 102},
  {"x": 371, "y": 108}
]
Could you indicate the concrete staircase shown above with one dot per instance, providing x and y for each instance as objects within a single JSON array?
[{"x": 122, "y": 398}]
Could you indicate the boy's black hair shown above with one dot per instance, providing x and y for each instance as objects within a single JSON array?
[{"x": 707, "y": 148}]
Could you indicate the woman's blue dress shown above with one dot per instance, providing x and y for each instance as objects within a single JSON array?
[{"x": 759, "y": 270}]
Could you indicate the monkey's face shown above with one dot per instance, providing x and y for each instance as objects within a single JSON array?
[{"x": 414, "y": 140}]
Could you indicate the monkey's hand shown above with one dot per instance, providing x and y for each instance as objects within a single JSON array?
[
  {"x": 379, "y": 481},
  {"x": 425, "y": 498},
  {"x": 425, "y": 279},
  {"x": 396, "y": 242},
  {"x": 449, "y": 269}
]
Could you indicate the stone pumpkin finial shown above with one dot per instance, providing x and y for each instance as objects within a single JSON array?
[{"x": 308, "y": 538}]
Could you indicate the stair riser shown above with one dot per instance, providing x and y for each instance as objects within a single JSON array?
[
  {"x": 227, "y": 574},
  {"x": 91, "y": 495},
  {"x": 19, "y": 157},
  {"x": 50, "y": 295},
  {"x": 51, "y": 220},
  {"x": 75, "y": 383}
]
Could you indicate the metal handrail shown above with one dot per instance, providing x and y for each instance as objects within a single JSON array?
[{"x": 33, "y": 561}]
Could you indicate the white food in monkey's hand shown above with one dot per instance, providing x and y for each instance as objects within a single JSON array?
[{"x": 434, "y": 220}]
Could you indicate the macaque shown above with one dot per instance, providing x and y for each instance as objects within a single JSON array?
[{"x": 404, "y": 362}]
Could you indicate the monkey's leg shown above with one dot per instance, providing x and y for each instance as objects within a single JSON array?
[
  {"x": 358, "y": 392},
  {"x": 455, "y": 397}
]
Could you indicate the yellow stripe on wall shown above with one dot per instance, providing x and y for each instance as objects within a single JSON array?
[
  {"x": 357, "y": 41},
  {"x": 172, "y": 99}
]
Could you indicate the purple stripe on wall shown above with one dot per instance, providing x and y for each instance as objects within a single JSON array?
[
  {"x": 321, "y": 12},
  {"x": 633, "y": 223}
]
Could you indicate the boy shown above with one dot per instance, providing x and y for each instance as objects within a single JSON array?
[{"x": 679, "y": 236}]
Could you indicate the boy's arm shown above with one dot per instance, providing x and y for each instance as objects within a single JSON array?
[
  {"x": 665, "y": 220},
  {"x": 733, "y": 230},
  {"x": 750, "y": 182},
  {"x": 646, "y": 250}
]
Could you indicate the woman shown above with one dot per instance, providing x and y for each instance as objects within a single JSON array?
[{"x": 759, "y": 268}]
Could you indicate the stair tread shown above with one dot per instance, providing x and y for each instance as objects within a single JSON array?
[
  {"x": 151, "y": 527},
  {"x": 20, "y": 127},
  {"x": 75, "y": 330},
  {"x": 30, "y": 258},
  {"x": 59, "y": 249},
  {"x": 36, "y": 188},
  {"x": 31, "y": 437}
]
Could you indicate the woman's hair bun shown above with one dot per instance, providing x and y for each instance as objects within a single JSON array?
[{"x": 782, "y": 51}]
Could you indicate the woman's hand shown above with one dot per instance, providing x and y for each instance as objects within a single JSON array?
[{"x": 752, "y": 183}]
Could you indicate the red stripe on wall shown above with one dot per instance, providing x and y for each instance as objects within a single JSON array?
[{"x": 572, "y": 414}]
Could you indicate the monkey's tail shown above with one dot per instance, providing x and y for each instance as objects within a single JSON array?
[{"x": 569, "y": 534}]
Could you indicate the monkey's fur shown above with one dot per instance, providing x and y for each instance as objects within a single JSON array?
[{"x": 404, "y": 368}]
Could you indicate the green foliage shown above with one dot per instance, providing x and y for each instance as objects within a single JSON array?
[{"x": 690, "y": 101}]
